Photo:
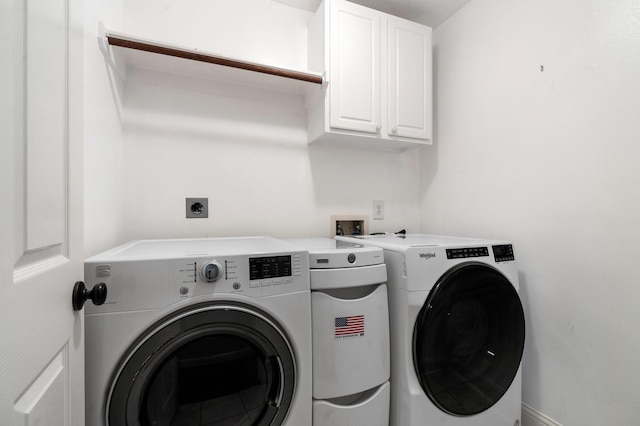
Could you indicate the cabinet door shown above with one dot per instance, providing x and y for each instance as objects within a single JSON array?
[
  {"x": 354, "y": 85},
  {"x": 410, "y": 109}
]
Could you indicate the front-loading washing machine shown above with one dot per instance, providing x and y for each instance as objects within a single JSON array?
[
  {"x": 457, "y": 330},
  {"x": 199, "y": 332}
]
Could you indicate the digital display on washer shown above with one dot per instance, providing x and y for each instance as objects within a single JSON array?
[
  {"x": 269, "y": 267},
  {"x": 503, "y": 253}
]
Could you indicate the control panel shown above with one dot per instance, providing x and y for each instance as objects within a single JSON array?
[
  {"x": 501, "y": 252},
  {"x": 463, "y": 253},
  {"x": 252, "y": 276}
]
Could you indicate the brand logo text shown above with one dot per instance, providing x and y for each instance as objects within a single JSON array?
[{"x": 426, "y": 256}]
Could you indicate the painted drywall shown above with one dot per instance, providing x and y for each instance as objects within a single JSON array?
[
  {"x": 244, "y": 148},
  {"x": 103, "y": 141},
  {"x": 261, "y": 31},
  {"x": 537, "y": 141}
]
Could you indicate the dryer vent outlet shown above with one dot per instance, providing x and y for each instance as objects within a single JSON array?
[{"x": 197, "y": 208}]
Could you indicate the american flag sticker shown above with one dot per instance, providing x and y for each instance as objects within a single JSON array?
[{"x": 351, "y": 326}]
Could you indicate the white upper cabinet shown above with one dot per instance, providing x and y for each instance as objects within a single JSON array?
[
  {"x": 355, "y": 68},
  {"x": 378, "y": 69},
  {"x": 410, "y": 110}
]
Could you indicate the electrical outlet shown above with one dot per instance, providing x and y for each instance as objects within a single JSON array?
[
  {"x": 378, "y": 209},
  {"x": 197, "y": 208}
]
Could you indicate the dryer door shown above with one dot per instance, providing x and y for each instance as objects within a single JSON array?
[
  {"x": 209, "y": 364},
  {"x": 468, "y": 339}
]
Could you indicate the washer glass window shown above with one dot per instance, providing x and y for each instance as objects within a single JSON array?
[
  {"x": 220, "y": 364},
  {"x": 469, "y": 339}
]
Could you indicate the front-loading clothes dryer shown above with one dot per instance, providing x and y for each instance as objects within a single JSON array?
[
  {"x": 199, "y": 332},
  {"x": 457, "y": 330}
]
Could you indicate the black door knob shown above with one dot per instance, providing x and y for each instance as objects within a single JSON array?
[{"x": 98, "y": 294}]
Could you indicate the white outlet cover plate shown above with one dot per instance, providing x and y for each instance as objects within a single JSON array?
[{"x": 378, "y": 209}]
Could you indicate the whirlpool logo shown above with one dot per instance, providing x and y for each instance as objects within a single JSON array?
[{"x": 426, "y": 256}]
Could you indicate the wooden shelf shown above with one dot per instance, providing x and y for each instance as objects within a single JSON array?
[{"x": 150, "y": 54}]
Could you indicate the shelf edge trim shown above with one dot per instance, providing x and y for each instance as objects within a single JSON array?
[{"x": 146, "y": 46}]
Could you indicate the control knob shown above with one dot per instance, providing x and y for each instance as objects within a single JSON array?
[{"x": 210, "y": 271}]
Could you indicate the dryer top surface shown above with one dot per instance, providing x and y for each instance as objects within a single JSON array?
[
  {"x": 177, "y": 248},
  {"x": 403, "y": 243}
]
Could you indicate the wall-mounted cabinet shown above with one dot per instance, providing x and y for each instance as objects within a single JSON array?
[
  {"x": 378, "y": 69},
  {"x": 368, "y": 80}
]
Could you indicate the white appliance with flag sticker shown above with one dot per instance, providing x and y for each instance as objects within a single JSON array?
[
  {"x": 351, "y": 326},
  {"x": 350, "y": 334}
]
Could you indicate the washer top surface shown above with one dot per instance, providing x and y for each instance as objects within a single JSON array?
[
  {"x": 326, "y": 253},
  {"x": 178, "y": 248},
  {"x": 404, "y": 242}
]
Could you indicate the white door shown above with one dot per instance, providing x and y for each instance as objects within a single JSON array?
[
  {"x": 41, "y": 337},
  {"x": 354, "y": 84},
  {"x": 410, "y": 106}
]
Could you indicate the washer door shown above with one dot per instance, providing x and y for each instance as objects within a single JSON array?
[
  {"x": 223, "y": 364},
  {"x": 468, "y": 339}
]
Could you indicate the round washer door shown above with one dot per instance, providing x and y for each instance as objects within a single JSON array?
[
  {"x": 468, "y": 339},
  {"x": 209, "y": 364}
]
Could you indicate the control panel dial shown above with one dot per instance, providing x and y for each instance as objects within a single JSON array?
[{"x": 211, "y": 271}]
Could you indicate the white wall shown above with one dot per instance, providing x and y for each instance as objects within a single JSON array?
[
  {"x": 103, "y": 150},
  {"x": 255, "y": 30},
  {"x": 548, "y": 157},
  {"x": 243, "y": 148}
]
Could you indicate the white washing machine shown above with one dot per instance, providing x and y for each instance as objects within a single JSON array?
[
  {"x": 457, "y": 330},
  {"x": 199, "y": 331},
  {"x": 350, "y": 339}
]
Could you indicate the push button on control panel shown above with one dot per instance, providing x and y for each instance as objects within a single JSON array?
[{"x": 297, "y": 265}]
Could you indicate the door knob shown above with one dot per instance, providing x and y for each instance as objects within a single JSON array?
[{"x": 98, "y": 294}]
